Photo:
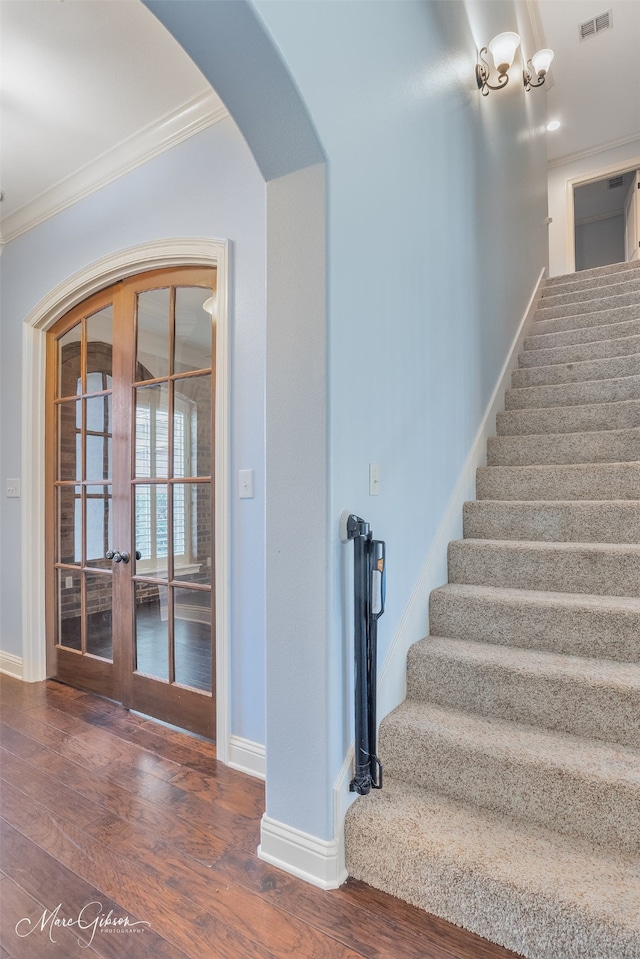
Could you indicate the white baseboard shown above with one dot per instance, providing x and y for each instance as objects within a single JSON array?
[
  {"x": 11, "y": 665},
  {"x": 315, "y": 860},
  {"x": 246, "y": 756},
  {"x": 415, "y": 621}
]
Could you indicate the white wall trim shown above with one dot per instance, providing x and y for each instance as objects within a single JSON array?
[
  {"x": 190, "y": 118},
  {"x": 414, "y": 623},
  {"x": 592, "y": 151},
  {"x": 296, "y": 852},
  {"x": 154, "y": 255},
  {"x": 622, "y": 166},
  {"x": 247, "y": 756},
  {"x": 11, "y": 665},
  {"x": 598, "y": 217}
]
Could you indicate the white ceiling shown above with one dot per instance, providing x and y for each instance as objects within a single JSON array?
[
  {"x": 91, "y": 88},
  {"x": 596, "y": 82},
  {"x": 88, "y": 88}
]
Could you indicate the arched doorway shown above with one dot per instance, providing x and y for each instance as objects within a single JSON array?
[
  {"x": 130, "y": 531},
  {"x": 66, "y": 297}
]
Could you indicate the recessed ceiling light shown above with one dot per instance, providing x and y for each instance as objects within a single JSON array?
[{"x": 553, "y": 125}]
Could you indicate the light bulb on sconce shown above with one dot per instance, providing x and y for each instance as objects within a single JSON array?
[{"x": 539, "y": 64}]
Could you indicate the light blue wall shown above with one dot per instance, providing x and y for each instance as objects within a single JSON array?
[
  {"x": 208, "y": 186},
  {"x": 436, "y": 224}
]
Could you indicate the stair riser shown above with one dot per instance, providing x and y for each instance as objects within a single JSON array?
[
  {"x": 558, "y": 324},
  {"x": 605, "y": 481},
  {"x": 621, "y": 446},
  {"x": 598, "y": 276},
  {"x": 581, "y": 353},
  {"x": 587, "y": 334},
  {"x": 553, "y": 522},
  {"x": 528, "y": 791},
  {"x": 605, "y": 305},
  {"x": 551, "y": 702},
  {"x": 564, "y": 568},
  {"x": 574, "y": 394},
  {"x": 571, "y": 629},
  {"x": 609, "y": 368},
  {"x": 589, "y": 294},
  {"x": 570, "y": 419}
]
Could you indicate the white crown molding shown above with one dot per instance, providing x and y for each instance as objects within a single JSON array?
[
  {"x": 317, "y": 861},
  {"x": 593, "y": 151},
  {"x": 193, "y": 116},
  {"x": 537, "y": 27},
  {"x": 247, "y": 756},
  {"x": 596, "y": 217},
  {"x": 11, "y": 665}
]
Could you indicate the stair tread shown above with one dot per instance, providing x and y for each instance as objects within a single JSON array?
[
  {"x": 580, "y": 307},
  {"x": 487, "y": 845},
  {"x": 582, "y": 413},
  {"x": 519, "y": 744},
  {"x": 594, "y": 350},
  {"x": 587, "y": 671},
  {"x": 583, "y": 369},
  {"x": 539, "y": 597},
  {"x": 574, "y": 504},
  {"x": 582, "y": 335},
  {"x": 630, "y": 549},
  {"x": 586, "y": 521},
  {"x": 625, "y": 268},
  {"x": 563, "y": 386},
  {"x": 626, "y": 285}
]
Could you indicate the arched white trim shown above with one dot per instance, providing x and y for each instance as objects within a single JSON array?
[{"x": 110, "y": 269}]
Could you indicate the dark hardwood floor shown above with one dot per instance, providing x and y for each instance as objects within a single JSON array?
[{"x": 117, "y": 820}]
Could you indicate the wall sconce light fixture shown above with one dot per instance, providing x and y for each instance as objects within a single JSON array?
[
  {"x": 503, "y": 50},
  {"x": 537, "y": 68}
]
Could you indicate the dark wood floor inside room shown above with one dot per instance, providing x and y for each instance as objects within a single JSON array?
[{"x": 148, "y": 847}]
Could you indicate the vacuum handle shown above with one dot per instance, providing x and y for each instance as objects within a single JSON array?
[{"x": 378, "y": 578}]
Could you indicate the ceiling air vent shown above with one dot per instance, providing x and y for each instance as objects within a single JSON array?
[
  {"x": 596, "y": 25},
  {"x": 615, "y": 181}
]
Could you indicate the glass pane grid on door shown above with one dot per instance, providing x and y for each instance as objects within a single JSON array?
[
  {"x": 84, "y": 432},
  {"x": 171, "y": 483}
]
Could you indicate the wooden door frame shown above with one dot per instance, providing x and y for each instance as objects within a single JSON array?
[
  {"x": 159, "y": 254},
  {"x": 623, "y": 166}
]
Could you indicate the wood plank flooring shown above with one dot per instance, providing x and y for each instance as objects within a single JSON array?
[{"x": 125, "y": 839}]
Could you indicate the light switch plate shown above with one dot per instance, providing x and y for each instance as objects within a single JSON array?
[
  {"x": 245, "y": 484},
  {"x": 13, "y": 487},
  {"x": 374, "y": 479}
]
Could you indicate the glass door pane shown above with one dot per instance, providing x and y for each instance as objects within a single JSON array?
[{"x": 83, "y": 501}]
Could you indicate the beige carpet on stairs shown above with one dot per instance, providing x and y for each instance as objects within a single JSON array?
[{"x": 511, "y": 799}]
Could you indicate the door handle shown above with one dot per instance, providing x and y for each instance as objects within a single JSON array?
[{"x": 117, "y": 556}]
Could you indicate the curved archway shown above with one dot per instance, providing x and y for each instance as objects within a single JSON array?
[{"x": 233, "y": 49}]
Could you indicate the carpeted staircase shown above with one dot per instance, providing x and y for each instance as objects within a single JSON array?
[{"x": 511, "y": 799}]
